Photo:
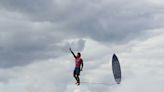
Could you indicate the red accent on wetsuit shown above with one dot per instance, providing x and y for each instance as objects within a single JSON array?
[{"x": 78, "y": 62}]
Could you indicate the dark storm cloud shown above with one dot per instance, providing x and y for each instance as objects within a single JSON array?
[
  {"x": 21, "y": 48},
  {"x": 46, "y": 23},
  {"x": 101, "y": 20},
  {"x": 118, "y": 22}
]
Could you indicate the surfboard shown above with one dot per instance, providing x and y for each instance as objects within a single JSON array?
[{"x": 116, "y": 69}]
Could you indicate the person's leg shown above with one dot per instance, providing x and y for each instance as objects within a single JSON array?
[
  {"x": 78, "y": 80},
  {"x": 75, "y": 75}
]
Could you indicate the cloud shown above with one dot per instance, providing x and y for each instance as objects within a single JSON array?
[
  {"x": 138, "y": 62},
  {"x": 35, "y": 37},
  {"x": 23, "y": 48},
  {"x": 101, "y": 20},
  {"x": 23, "y": 42},
  {"x": 31, "y": 30}
]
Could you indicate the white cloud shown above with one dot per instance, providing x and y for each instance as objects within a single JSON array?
[
  {"x": 31, "y": 30},
  {"x": 142, "y": 70},
  {"x": 35, "y": 37}
]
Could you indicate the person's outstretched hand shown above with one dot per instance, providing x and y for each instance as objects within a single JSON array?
[{"x": 70, "y": 49}]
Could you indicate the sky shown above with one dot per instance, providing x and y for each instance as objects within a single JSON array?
[{"x": 35, "y": 37}]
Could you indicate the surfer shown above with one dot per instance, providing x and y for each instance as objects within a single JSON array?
[{"x": 78, "y": 66}]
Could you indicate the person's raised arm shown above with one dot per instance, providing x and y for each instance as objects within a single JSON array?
[{"x": 72, "y": 53}]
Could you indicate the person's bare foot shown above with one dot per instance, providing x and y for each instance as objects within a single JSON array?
[{"x": 78, "y": 83}]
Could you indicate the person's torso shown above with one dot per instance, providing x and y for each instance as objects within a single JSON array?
[{"x": 78, "y": 62}]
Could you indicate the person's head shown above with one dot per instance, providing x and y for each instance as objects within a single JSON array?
[{"x": 78, "y": 55}]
